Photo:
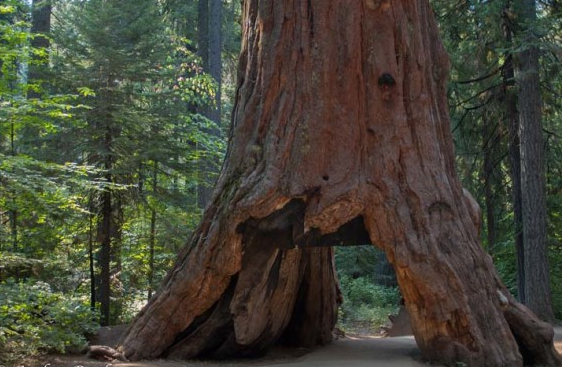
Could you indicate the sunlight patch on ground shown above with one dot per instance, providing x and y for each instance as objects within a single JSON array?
[{"x": 353, "y": 336}]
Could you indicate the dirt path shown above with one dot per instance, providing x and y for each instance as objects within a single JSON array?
[
  {"x": 349, "y": 352},
  {"x": 363, "y": 351}
]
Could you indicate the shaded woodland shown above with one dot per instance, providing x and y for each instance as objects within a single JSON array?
[{"x": 114, "y": 123}]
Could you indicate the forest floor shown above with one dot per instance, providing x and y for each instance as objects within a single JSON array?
[{"x": 350, "y": 351}]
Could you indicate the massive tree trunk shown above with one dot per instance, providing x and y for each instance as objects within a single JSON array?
[{"x": 340, "y": 135}]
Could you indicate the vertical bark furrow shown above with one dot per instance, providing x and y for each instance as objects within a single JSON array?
[
  {"x": 208, "y": 333},
  {"x": 315, "y": 312}
]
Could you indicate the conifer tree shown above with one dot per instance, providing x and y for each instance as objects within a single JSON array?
[
  {"x": 138, "y": 129},
  {"x": 495, "y": 98},
  {"x": 113, "y": 48}
]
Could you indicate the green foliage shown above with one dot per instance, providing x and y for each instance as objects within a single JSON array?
[
  {"x": 481, "y": 38},
  {"x": 367, "y": 283},
  {"x": 45, "y": 196},
  {"x": 33, "y": 191},
  {"x": 119, "y": 96},
  {"x": 14, "y": 48},
  {"x": 366, "y": 305},
  {"x": 556, "y": 274},
  {"x": 143, "y": 83},
  {"x": 506, "y": 264},
  {"x": 34, "y": 320},
  {"x": 362, "y": 291},
  {"x": 357, "y": 261}
]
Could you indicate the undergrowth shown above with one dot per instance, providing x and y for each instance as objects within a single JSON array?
[
  {"x": 34, "y": 320},
  {"x": 366, "y": 305}
]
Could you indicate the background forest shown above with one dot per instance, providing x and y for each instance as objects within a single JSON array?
[{"x": 114, "y": 119}]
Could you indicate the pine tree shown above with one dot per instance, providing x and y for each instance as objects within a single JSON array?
[
  {"x": 138, "y": 129},
  {"x": 117, "y": 48}
]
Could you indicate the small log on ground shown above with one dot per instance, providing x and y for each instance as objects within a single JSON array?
[{"x": 104, "y": 353}]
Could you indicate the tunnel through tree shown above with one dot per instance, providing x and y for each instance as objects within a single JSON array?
[{"x": 340, "y": 132}]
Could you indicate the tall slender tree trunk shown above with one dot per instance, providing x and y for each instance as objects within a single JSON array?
[
  {"x": 512, "y": 122},
  {"x": 533, "y": 187},
  {"x": 152, "y": 236},
  {"x": 491, "y": 176},
  {"x": 105, "y": 260},
  {"x": 91, "y": 255},
  {"x": 515, "y": 173},
  {"x": 215, "y": 55},
  {"x": 13, "y": 212},
  {"x": 14, "y": 224},
  {"x": 105, "y": 257},
  {"x": 203, "y": 32},
  {"x": 210, "y": 51},
  {"x": 41, "y": 22},
  {"x": 340, "y": 135},
  {"x": 203, "y": 52},
  {"x": 105, "y": 231},
  {"x": 209, "y": 48},
  {"x": 40, "y": 27}
]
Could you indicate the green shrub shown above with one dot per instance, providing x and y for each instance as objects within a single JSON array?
[
  {"x": 366, "y": 305},
  {"x": 34, "y": 320},
  {"x": 363, "y": 291},
  {"x": 555, "y": 255}
]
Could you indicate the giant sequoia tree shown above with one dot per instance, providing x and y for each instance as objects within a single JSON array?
[{"x": 340, "y": 136}]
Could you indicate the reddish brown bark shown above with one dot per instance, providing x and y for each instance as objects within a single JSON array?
[{"x": 340, "y": 135}]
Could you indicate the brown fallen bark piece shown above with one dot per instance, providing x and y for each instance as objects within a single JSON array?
[{"x": 103, "y": 352}]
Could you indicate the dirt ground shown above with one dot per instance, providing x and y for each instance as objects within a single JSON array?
[{"x": 350, "y": 351}]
